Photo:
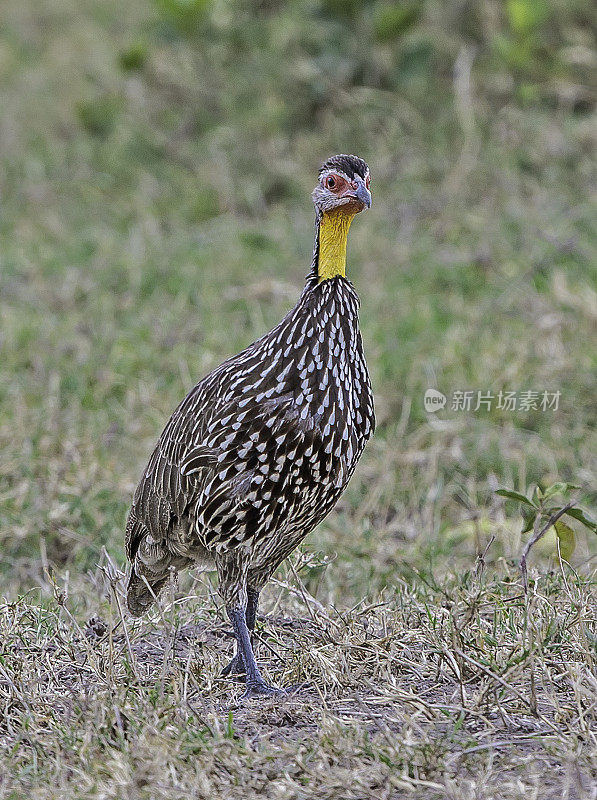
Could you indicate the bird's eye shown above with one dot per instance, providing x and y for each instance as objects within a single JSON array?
[
  {"x": 330, "y": 182},
  {"x": 368, "y": 181}
]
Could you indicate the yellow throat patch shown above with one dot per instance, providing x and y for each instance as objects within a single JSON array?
[{"x": 333, "y": 233}]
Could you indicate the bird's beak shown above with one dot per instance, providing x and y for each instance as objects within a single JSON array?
[{"x": 364, "y": 195}]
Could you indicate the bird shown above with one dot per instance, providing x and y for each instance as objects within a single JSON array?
[{"x": 261, "y": 449}]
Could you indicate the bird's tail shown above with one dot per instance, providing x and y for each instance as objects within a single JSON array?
[
  {"x": 152, "y": 564},
  {"x": 142, "y": 592}
]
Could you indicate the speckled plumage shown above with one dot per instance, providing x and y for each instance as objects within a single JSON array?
[{"x": 258, "y": 452}]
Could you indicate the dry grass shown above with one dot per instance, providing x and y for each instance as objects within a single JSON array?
[{"x": 458, "y": 690}]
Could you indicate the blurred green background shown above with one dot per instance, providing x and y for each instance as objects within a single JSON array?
[{"x": 156, "y": 161}]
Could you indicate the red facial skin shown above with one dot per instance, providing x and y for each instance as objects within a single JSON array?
[
  {"x": 337, "y": 184},
  {"x": 343, "y": 188}
]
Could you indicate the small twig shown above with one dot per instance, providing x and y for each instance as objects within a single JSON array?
[
  {"x": 125, "y": 630},
  {"x": 306, "y": 597},
  {"x": 481, "y": 557},
  {"x": 561, "y": 562},
  {"x": 529, "y": 632},
  {"x": 535, "y": 538},
  {"x": 169, "y": 649}
]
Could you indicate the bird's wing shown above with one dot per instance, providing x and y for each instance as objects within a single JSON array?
[
  {"x": 212, "y": 456},
  {"x": 163, "y": 493}
]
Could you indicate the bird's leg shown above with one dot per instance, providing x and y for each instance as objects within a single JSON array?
[
  {"x": 253, "y": 678},
  {"x": 232, "y": 571},
  {"x": 237, "y": 665}
]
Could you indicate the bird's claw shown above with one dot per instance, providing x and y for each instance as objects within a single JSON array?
[
  {"x": 261, "y": 689},
  {"x": 235, "y": 668}
]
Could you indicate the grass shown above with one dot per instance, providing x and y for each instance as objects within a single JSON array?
[
  {"x": 459, "y": 690},
  {"x": 155, "y": 218}
]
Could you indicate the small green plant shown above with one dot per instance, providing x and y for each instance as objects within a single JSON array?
[
  {"x": 99, "y": 115},
  {"x": 542, "y": 510},
  {"x": 134, "y": 56},
  {"x": 183, "y": 14},
  {"x": 393, "y": 19}
]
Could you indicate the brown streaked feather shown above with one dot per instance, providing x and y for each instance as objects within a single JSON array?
[{"x": 261, "y": 449}]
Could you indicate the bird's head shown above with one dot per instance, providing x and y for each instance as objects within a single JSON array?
[
  {"x": 343, "y": 184},
  {"x": 342, "y": 191}
]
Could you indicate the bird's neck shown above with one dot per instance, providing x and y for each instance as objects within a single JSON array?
[{"x": 330, "y": 245}]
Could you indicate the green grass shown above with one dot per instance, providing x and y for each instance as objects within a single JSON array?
[{"x": 155, "y": 171}]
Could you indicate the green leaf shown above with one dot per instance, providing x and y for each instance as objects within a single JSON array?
[
  {"x": 528, "y": 518},
  {"x": 537, "y": 494},
  {"x": 580, "y": 515},
  {"x": 560, "y": 487},
  {"x": 390, "y": 21},
  {"x": 512, "y": 495},
  {"x": 525, "y": 16},
  {"x": 555, "y": 488},
  {"x": 566, "y": 539}
]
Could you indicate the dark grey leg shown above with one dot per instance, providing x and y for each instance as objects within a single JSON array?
[
  {"x": 252, "y": 603},
  {"x": 232, "y": 571},
  {"x": 237, "y": 665},
  {"x": 253, "y": 677}
]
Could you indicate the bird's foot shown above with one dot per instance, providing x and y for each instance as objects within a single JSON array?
[
  {"x": 235, "y": 669},
  {"x": 261, "y": 689}
]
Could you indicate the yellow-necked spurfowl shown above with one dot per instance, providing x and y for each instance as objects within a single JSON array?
[{"x": 261, "y": 449}]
